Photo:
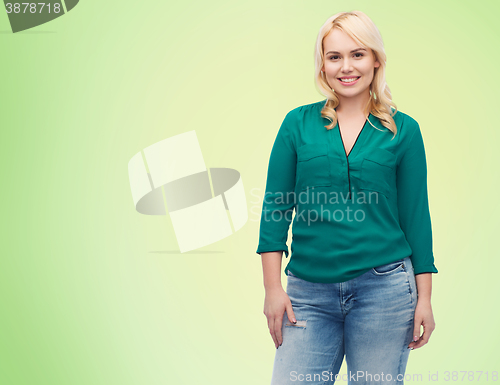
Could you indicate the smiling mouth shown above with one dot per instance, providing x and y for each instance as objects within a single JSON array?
[{"x": 349, "y": 80}]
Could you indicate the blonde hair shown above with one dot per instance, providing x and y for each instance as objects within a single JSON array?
[{"x": 364, "y": 32}]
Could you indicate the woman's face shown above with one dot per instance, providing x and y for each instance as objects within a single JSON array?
[{"x": 340, "y": 61}]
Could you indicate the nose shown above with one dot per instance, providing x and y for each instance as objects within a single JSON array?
[{"x": 346, "y": 65}]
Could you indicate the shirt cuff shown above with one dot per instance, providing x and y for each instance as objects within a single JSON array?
[
  {"x": 273, "y": 247},
  {"x": 425, "y": 269}
]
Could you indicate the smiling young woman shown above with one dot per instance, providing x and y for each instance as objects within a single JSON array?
[{"x": 359, "y": 275}]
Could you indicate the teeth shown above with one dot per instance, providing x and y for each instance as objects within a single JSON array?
[{"x": 349, "y": 80}]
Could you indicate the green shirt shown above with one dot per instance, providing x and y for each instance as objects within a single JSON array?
[{"x": 352, "y": 213}]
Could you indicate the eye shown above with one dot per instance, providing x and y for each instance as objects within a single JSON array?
[{"x": 336, "y": 56}]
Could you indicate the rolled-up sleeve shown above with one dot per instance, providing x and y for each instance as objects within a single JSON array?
[
  {"x": 279, "y": 198},
  {"x": 413, "y": 204}
]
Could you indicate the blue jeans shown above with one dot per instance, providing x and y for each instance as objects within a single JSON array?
[{"x": 369, "y": 319}]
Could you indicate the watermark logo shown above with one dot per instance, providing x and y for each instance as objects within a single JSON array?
[
  {"x": 171, "y": 177},
  {"x": 24, "y": 16},
  {"x": 312, "y": 206}
]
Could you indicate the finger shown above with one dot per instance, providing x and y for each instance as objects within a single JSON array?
[
  {"x": 421, "y": 342},
  {"x": 290, "y": 313},
  {"x": 416, "y": 333},
  {"x": 424, "y": 339},
  {"x": 416, "y": 330},
  {"x": 271, "y": 331},
  {"x": 412, "y": 344},
  {"x": 277, "y": 329}
]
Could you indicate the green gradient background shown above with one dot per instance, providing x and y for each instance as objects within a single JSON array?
[{"x": 93, "y": 292}]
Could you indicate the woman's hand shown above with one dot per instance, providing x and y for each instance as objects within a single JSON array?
[
  {"x": 424, "y": 317},
  {"x": 275, "y": 305}
]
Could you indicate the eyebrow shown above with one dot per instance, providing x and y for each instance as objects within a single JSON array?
[{"x": 354, "y": 50}]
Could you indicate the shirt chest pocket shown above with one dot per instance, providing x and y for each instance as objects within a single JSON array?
[
  {"x": 378, "y": 171},
  {"x": 313, "y": 166}
]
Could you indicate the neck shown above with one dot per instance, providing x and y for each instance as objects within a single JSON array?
[{"x": 354, "y": 106}]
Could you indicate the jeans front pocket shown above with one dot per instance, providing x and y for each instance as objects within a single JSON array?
[
  {"x": 389, "y": 268},
  {"x": 313, "y": 166},
  {"x": 378, "y": 171}
]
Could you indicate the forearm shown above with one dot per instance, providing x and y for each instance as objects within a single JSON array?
[
  {"x": 271, "y": 267},
  {"x": 424, "y": 286}
]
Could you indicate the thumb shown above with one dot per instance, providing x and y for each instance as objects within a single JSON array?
[
  {"x": 290, "y": 313},
  {"x": 416, "y": 331}
]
